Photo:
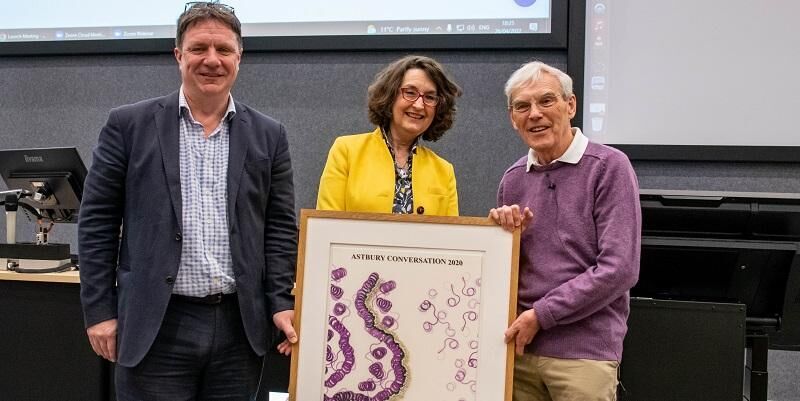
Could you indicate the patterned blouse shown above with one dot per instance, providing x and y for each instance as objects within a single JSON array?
[{"x": 403, "y": 194}]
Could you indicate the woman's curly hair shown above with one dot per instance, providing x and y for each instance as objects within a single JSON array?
[{"x": 383, "y": 91}]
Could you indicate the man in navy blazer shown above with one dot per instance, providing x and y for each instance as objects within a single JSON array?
[{"x": 187, "y": 230}]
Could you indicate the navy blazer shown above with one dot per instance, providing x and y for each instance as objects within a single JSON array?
[{"x": 135, "y": 179}]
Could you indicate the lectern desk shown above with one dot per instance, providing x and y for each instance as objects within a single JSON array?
[{"x": 44, "y": 352}]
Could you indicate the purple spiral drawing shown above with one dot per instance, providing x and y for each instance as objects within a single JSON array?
[
  {"x": 336, "y": 291},
  {"x": 339, "y": 309},
  {"x": 387, "y": 322},
  {"x": 449, "y": 318},
  {"x": 379, "y": 352},
  {"x": 349, "y": 355},
  {"x": 395, "y": 374},
  {"x": 388, "y": 286},
  {"x": 468, "y": 291},
  {"x": 384, "y": 304},
  {"x": 453, "y": 301},
  {"x": 338, "y": 273},
  {"x": 366, "y": 385}
]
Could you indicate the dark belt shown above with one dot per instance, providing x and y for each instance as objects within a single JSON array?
[{"x": 213, "y": 299}]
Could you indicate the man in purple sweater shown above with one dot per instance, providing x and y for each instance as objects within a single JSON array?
[{"x": 577, "y": 203}]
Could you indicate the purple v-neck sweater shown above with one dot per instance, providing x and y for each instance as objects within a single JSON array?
[{"x": 580, "y": 255}]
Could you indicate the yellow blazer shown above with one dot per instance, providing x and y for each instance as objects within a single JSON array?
[{"x": 359, "y": 177}]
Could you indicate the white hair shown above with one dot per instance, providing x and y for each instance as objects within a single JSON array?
[{"x": 532, "y": 72}]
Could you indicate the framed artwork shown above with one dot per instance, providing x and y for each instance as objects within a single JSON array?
[{"x": 403, "y": 307}]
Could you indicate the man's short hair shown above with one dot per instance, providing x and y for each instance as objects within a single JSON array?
[
  {"x": 204, "y": 11},
  {"x": 532, "y": 72}
]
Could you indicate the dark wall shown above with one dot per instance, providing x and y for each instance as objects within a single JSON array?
[
  {"x": 64, "y": 101},
  {"x": 719, "y": 176}
]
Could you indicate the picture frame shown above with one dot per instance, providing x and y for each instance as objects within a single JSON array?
[{"x": 403, "y": 307}]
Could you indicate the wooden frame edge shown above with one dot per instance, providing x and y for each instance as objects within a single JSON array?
[
  {"x": 305, "y": 214},
  {"x": 512, "y": 312}
]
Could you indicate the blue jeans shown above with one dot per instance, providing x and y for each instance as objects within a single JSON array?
[{"x": 201, "y": 353}]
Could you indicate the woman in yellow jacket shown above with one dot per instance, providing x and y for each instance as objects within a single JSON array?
[{"x": 388, "y": 170}]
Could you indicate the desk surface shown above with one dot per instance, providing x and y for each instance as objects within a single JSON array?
[{"x": 71, "y": 277}]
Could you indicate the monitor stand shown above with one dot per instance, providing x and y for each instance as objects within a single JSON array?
[
  {"x": 35, "y": 258},
  {"x": 40, "y": 257}
]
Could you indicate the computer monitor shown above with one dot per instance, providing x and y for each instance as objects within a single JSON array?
[{"x": 52, "y": 176}]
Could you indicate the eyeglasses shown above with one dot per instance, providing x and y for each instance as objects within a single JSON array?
[
  {"x": 208, "y": 4},
  {"x": 525, "y": 106},
  {"x": 411, "y": 95}
]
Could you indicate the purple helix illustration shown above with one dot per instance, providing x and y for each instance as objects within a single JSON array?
[
  {"x": 453, "y": 316},
  {"x": 384, "y": 373}
]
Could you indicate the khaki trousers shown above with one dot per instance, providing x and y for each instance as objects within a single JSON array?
[{"x": 541, "y": 378}]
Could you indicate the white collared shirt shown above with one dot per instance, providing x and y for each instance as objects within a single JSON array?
[
  {"x": 206, "y": 265},
  {"x": 572, "y": 155}
]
